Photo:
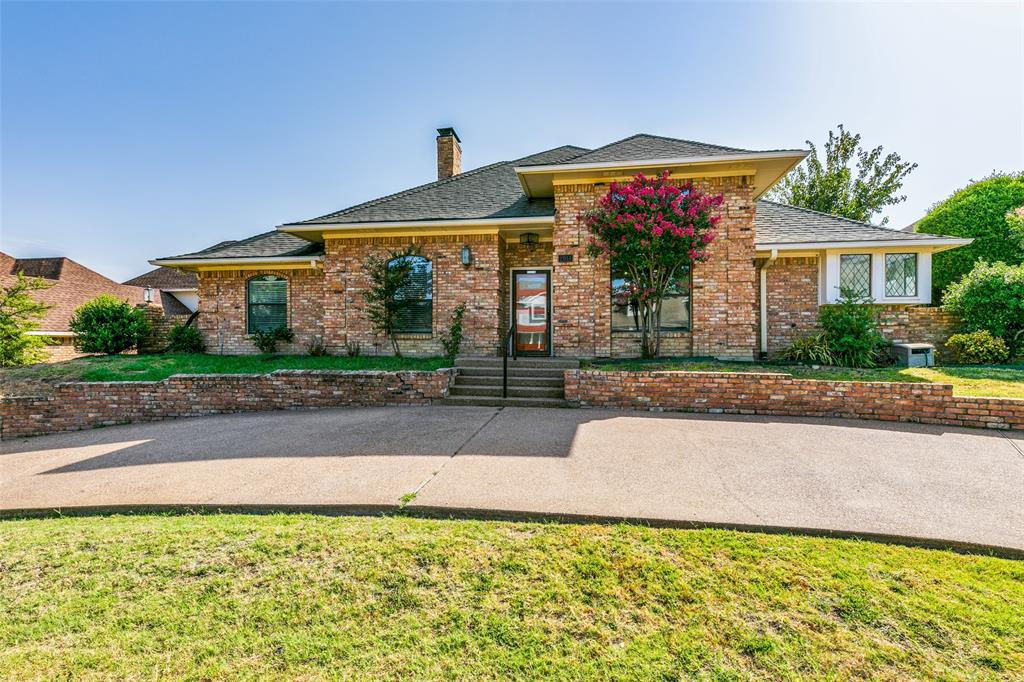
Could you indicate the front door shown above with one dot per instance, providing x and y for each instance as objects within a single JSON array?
[{"x": 531, "y": 311}]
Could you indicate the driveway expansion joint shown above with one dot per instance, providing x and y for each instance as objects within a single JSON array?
[{"x": 412, "y": 495}]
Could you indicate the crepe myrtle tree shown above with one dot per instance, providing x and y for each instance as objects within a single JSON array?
[{"x": 651, "y": 231}]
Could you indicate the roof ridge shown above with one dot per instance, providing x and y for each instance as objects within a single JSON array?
[
  {"x": 705, "y": 144},
  {"x": 402, "y": 193},
  {"x": 426, "y": 186}
]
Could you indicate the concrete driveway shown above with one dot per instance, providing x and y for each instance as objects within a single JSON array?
[{"x": 956, "y": 485}]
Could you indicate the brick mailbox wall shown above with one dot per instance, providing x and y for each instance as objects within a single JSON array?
[
  {"x": 81, "y": 405},
  {"x": 785, "y": 395}
]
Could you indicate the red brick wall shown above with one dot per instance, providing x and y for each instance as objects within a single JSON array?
[
  {"x": 477, "y": 286},
  {"x": 75, "y": 406},
  {"x": 724, "y": 306},
  {"x": 782, "y": 394},
  {"x": 222, "y": 311},
  {"x": 792, "y": 285},
  {"x": 917, "y": 324}
]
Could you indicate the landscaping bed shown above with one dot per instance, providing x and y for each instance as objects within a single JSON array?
[
  {"x": 303, "y": 597},
  {"x": 37, "y": 379},
  {"x": 995, "y": 381}
]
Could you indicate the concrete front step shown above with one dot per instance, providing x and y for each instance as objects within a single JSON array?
[
  {"x": 482, "y": 401},
  {"x": 513, "y": 391},
  {"x": 535, "y": 372},
  {"x": 513, "y": 380},
  {"x": 538, "y": 362}
]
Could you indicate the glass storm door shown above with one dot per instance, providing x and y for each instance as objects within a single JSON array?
[{"x": 531, "y": 311}]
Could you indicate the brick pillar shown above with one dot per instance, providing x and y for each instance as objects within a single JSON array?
[{"x": 724, "y": 307}]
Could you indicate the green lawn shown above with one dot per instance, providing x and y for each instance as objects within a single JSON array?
[
  {"x": 302, "y": 597},
  {"x": 1001, "y": 381},
  {"x": 156, "y": 367}
]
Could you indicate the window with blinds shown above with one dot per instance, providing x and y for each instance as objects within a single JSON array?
[
  {"x": 416, "y": 315},
  {"x": 266, "y": 298}
]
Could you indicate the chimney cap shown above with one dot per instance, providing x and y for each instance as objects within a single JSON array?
[{"x": 448, "y": 132}]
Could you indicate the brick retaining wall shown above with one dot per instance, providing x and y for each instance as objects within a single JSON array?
[
  {"x": 785, "y": 395},
  {"x": 81, "y": 405}
]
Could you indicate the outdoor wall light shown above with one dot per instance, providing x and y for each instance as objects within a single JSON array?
[
  {"x": 467, "y": 255},
  {"x": 147, "y": 295},
  {"x": 531, "y": 239}
]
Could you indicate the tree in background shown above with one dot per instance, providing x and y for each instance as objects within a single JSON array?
[
  {"x": 652, "y": 231},
  {"x": 19, "y": 315},
  {"x": 109, "y": 325},
  {"x": 851, "y": 182},
  {"x": 982, "y": 211}
]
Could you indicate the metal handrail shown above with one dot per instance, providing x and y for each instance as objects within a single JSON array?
[{"x": 507, "y": 347}]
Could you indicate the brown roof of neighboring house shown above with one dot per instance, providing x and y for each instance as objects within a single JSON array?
[
  {"x": 165, "y": 278},
  {"x": 72, "y": 285}
]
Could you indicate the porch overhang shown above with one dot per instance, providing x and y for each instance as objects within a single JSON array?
[
  {"x": 765, "y": 169},
  {"x": 932, "y": 245}
]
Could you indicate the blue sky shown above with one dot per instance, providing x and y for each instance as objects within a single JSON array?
[{"x": 137, "y": 130}]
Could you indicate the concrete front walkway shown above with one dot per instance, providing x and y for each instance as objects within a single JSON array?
[{"x": 958, "y": 485}]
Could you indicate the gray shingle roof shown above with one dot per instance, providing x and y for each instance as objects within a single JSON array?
[
  {"x": 489, "y": 192},
  {"x": 644, "y": 146},
  {"x": 271, "y": 244},
  {"x": 782, "y": 224},
  {"x": 165, "y": 278}
]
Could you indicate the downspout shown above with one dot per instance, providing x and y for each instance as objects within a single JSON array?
[{"x": 764, "y": 300}]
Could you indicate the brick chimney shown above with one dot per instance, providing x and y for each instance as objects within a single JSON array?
[{"x": 449, "y": 153}]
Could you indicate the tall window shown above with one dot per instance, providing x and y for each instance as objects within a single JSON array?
[
  {"x": 266, "y": 299},
  {"x": 855, "y": 274},
  {"x": 675, "y": 307},
  {"x": 901, "y": 274},
  {"x": 418, "y": 316}
]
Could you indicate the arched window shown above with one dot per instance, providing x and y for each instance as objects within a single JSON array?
[
  {"x": 416, "y": 315},
  {"x": 266, "y": 303}
]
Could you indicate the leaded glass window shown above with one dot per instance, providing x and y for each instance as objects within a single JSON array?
[
  {"x": 855, "y": 274},
  {"x": 901, "y": 274}
]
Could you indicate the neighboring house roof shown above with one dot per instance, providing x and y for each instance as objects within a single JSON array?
[
  {"x": 72, "y": 285},
  {"x": 165, "y": 278},
  {"x": 489, "y": 192},
  {"x": 271, "y": 244},
  {"x": 783, "y": 224}
]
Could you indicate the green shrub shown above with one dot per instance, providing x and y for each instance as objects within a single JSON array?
[
  {"x": 266, "y": 341},
  {"x": 316, "y": 347},
  {"x": 991, "y": 298},
  {"x": 452, "y": 340},
  {"x": 850, "y": 331},
  {"x": 182, "y": 339},
  {"x": 812, "y": 350},
  {"x": 107, "y": 324},
  {"x": 978, "y": 211},
  {"x": 978, "y": 348}
]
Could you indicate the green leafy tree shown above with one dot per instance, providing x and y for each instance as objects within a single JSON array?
[
  {"x": 978, "y": 211},
  {"x": 109, "y": 325},
  {"x": 851, "y": 182},
  {"x": 19, "y": 315},
  {"x": 991, "y": 298},
  {"x": 389, "y": 275}
]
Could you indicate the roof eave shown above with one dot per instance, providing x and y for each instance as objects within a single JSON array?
[
  {"x": 384, "y": 224},
  {"x": 940, "y": 244},
  {"x": 184, "y": 262},
  {"x": 674, "y": 161}
]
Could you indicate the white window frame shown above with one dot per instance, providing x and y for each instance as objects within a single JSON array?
[{"x": 828, "y": 292}]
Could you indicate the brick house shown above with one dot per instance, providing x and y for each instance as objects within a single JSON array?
[
  {"x": 505, "y": 240},
  {"x": 71, "y": 285}
]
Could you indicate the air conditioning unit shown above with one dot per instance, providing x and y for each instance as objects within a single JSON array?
[{"x": 914, "y": 354}]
